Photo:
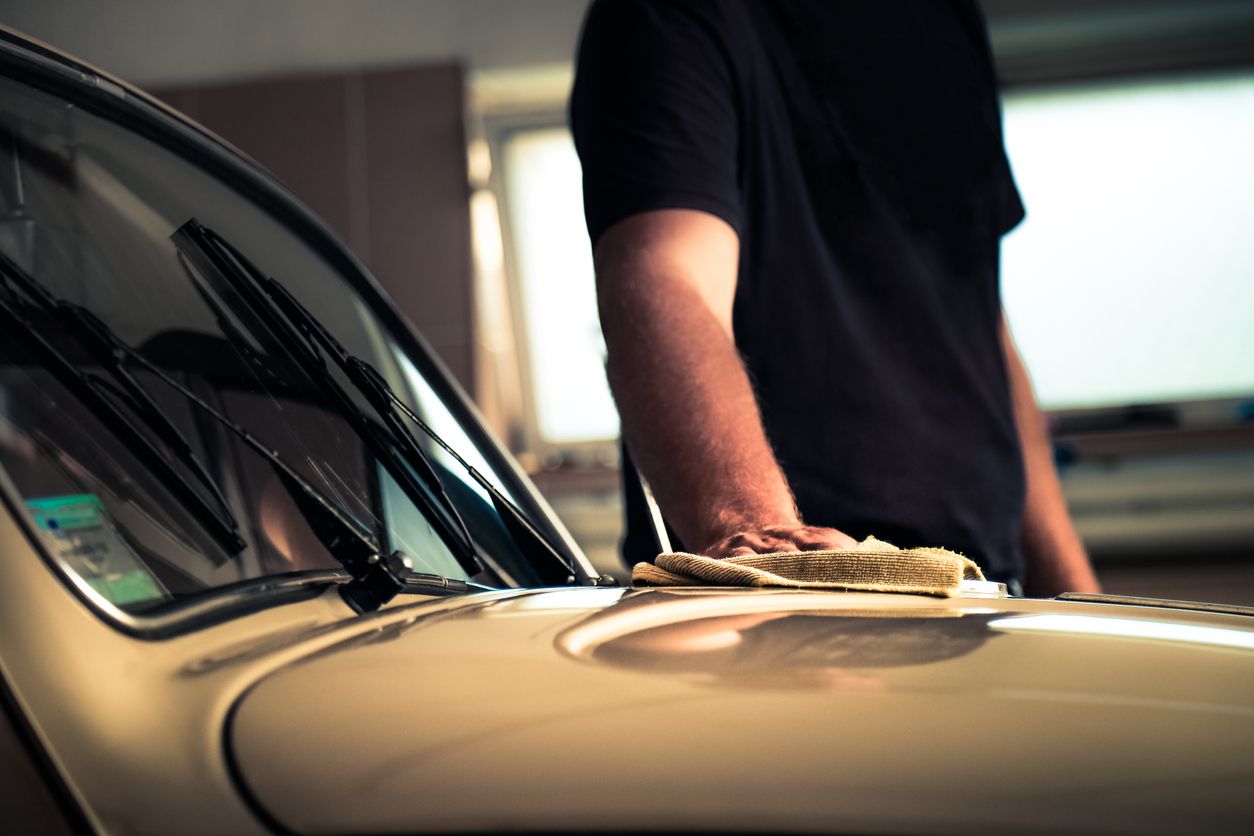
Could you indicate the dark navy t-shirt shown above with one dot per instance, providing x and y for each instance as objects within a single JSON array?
[{"x": 856, "y": 149}]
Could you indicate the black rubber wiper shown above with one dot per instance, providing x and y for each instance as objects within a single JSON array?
[
  {"x": 529, "y": 540},
  {"x": 265, "y": 309},
  {"x": 375, "y": 578},
  {"x": 102, "y": 345},
  {"x": 387, "y": 404},
  {"x": 218, "y": 521}
]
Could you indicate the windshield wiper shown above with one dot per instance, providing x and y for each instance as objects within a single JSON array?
[
  {"x": 375, "y": 578},
  {"x": 380, "y": 394},
  {"x": 102, "y": 345},
  {"x": 254, "y": 303},
  {"x": 318, "y": 341},
  {"x": 534, "y": 545},
  {"x": 219, "y": 522}
]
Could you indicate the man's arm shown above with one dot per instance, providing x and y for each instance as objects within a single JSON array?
[
  {"x": 1055, "y": 557},
  {"x": 666, "y": 281}
]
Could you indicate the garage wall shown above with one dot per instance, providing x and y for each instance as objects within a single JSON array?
[
  {"x": 381, "y": 156},
  {"x": 357, "y": 106},
  {"x": 164, "y": 42}
]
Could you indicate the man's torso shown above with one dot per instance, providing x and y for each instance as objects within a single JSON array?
[{"x": 872, "y": 191}]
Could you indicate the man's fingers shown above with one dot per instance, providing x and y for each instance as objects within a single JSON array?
[
  {"x": 746, "y": 542},
  {"x": 811, "y": 538},
  {"x": 780, "y": 539}
]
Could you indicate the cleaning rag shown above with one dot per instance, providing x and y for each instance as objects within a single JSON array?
[{"x": 871, "y": 566}]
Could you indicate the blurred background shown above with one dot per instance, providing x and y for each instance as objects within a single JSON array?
[{"x": 431, "y": 134}]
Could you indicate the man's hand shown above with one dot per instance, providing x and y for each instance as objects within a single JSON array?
[{"x": 780, "y": 538}]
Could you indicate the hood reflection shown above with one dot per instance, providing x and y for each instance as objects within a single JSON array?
[{"x": 820, "y": 649}]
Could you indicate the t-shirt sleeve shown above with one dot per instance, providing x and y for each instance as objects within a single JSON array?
[
  {"x": 1009, "y": 208},
  {"x": 653, "y": 112}
]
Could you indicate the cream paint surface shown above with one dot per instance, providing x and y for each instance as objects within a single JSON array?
[
  {"x": 513, "y": 717},
  {"x": 135, "y": 727}
]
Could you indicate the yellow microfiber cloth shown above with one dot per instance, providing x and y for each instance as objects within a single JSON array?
[{"x": 871, "y": 566}]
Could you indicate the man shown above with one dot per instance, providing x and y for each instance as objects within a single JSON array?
[{"x": 795, "y": 211}]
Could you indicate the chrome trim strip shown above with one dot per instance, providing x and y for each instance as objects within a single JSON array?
[{"x": 1156, "y": 603}]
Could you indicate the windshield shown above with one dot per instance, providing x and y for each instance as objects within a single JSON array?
[{"x": 89, "y": 213}]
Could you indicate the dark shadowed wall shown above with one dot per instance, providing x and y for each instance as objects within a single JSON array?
[{"x": 381, "y": 156}]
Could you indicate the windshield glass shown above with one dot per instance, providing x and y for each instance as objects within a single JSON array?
[{"x": 89, "y": 213}]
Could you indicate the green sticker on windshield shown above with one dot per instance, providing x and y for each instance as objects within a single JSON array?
[
  {"x": 67, "y": 513},
  {"x": 78, "y": 530}
]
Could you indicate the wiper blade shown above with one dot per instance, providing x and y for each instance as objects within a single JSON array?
[
  {"x": 376, "y": 579},
  {"x": 218, "y": 522},
  {"x": 534, "y": 545},
  {"x": 107, "y": 350},
  {"x": 387, "y": 404},
  {"x": 267, "y": 309},
  {"x": 261, "y": 365}
]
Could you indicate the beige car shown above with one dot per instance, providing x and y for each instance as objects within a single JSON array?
[{"x": 264, "y": 572}]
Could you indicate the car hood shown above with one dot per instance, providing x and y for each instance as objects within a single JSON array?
[{"x": 752, "y": 709}]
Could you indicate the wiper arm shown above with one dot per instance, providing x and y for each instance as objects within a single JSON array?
[
  {"x": 429, "y": 584},
  {"x": 107, "y": 350},
  {"x": 376, "y": 579},
  {"x": 218, "y": 522},
  {"x": 384, "y": 400},
  {"x": 387, "y": 403},
  {"x": 533, "y": 544},
  {"x": 274, "y": 315},
  {"x": 261, "y": 365}
]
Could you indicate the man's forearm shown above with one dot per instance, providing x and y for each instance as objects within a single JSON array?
[
  {"x": 688, "y": 409},
  {"x": 1056, "y": 559},
  {"x": 666, "y": 283}
]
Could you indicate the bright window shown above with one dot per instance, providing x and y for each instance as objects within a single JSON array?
[
  {"x": 1132, "y": 279},
  {"x": 553, "y": 261}
]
